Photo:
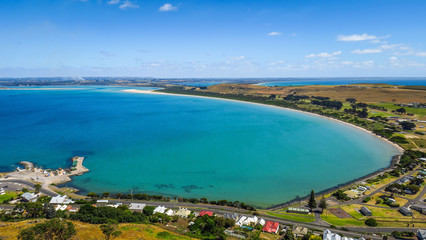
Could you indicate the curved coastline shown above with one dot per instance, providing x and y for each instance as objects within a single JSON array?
[{"x": 394, "y": 160}]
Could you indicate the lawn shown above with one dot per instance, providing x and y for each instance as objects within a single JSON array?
[
  {"x": 7, "y": 196},
  {"x": 417, "y": 111},
  {"x": 334, "y": 220},
  {"x": 9, "y": 230},
  {"x": 294, "y": 217}
]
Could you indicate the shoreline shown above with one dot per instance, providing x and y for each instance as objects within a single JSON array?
[{"x": 394, "y": 160}]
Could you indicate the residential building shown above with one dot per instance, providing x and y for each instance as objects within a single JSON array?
[
  {"x": 170, "y": 212},
  {"x": 419, "y": 207},
  {"x": 61, "y": 200},
  {"x": 240, "y": 221},
  {"x": 233, "y": 216},
  {"x": 261, "y": 221},
  {"x": 271, "y": 227},
  {"x": 202, "y": 213},
  {"x": 136, "y": 207},
  {"x": 405, "y": 211},
  {"x": 183, "y": 212},
  {"x": 421, "y": 234},
  {"x": 160, "y": 209},
  {"x": 29, "y": 197},
  {"x": 299, "y": 231}
]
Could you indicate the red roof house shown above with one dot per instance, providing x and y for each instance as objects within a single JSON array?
[
  {"x": 271, "y": 227},
  {"x": 202, "y": 213}
]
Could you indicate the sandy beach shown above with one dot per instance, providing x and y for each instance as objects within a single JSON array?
[{"x": 400, "y": 149}]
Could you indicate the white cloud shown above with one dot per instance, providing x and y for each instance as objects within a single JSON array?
[
  {"x": 127, "y": 4},
  {"x": 324, "y": 55},
  {"x": 347, "y": 63},
  {"x": 367, "y": 51},
  {"x": 421, "y": 54},
  {"x": 167, "y": 7},
  {"x": 111, "y": 2},
  {"x": 393, "y": 58},
  {"x": 359, "y": 37},
  {"x": 274, "y": 33},
  {"x": 390, "y": 46},
  {"x": 237, "y": 58}
]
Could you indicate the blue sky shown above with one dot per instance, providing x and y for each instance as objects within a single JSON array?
[{"x": 206, "y": 38}]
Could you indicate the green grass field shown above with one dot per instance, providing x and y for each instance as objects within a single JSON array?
[
  {"x": 294, "y": 217},
  {"x": 7, "y": 196},
  {"x": 421, "y": 112}
]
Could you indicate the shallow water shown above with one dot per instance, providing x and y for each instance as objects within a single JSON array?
[{"x": 184, "y": 146}]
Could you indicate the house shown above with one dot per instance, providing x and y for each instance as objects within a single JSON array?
[
  {"x": 361, "y": 188},
  {"x": 240, "y": 221},
  {"x": 233, "y": 216},
  {"x": 405, "y": 211},
  {"x": 421, "y": 234},
  {"x": 160, "y": 209},
  {"x": 101, "y": 202},
  {"x": 271, "y": 227},
  {"x": 2, "y": 192},
  {"x": 170, "y": 212},
  {"x": 116, "y": 205},
  {"x": 202, "y": 213},
  {"x": 136, "y": 207},
  {"x": 29, "y": 197},
  {"x": 61, "y": 200},
  {"x": 391, "y": 200},
  {"x": 251, "y": 220},
  {"x": 297, "y": 210},
  {"x": 328, "y": 235},
  {"x": 183, "y": 212},
  {"x": 419, "y": 207},
  {"x": 72, "y": 209},
  {"x": 261, "y": 221},
  {"x": 299, "y": 231},
  {"x": 61, "y": 207},
  {"x": 365, "y": 211}
]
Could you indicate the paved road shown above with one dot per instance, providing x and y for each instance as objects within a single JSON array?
[{"x": 31, "y": 185}]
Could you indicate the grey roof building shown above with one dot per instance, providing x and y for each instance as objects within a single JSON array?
[
  {"x": 29, "y": 197},
  {"x": 233, "y": 216},
  {"x": 365, "y": 211},
  {"x": 405, "y": 211},
  {"x": 421, "y": 234},
  {"x": 419, "y": 207}
]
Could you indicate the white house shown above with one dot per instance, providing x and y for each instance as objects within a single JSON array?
[
  {"x": 240, "y": 221},
  {"x": 160, "y": 209},
  {"x": 170, "y": 212},
  {"x": 328, "y": 235},
  {"x": 61, "y": 200},
  {"x": 261, "y": 221}
]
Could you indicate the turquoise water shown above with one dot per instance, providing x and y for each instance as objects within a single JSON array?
[{"x": 184, "y": 146}]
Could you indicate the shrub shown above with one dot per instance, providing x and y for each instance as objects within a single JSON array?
[
  {"x": 371, "y": 222},
  {"x": 367, "y": 199}
]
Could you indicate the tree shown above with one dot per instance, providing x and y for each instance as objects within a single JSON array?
[
  {"x": 312, "y": 203},
  {"x": 351, "y": 100},
  {"x": 37, "y": 188},
  {"x": 401, "y": 110},
  {"x": 148, "y": 210},
  {"x": 49, "y": 230},
  {"x": 371, "y": 222},
  {"x": 110, "y": 231},
  {"x": 24, "y": 190},
  {"x": 315, "y": 237},
  {"x": 407, "y": 125},
  {"x": 32, "y": 209},
  {"x": 323, "y": 204},
  {"x": 105, "y": 194},
  {"x": 288, "y": 235},
  {"x": 49, "y": 210},
  {"x": 92, "y": 195}
]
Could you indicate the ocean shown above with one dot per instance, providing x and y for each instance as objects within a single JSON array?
[{"x": 183, "y": 146}]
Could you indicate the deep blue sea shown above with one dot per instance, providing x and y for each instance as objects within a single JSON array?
[{"x": 183, "y": 146}]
